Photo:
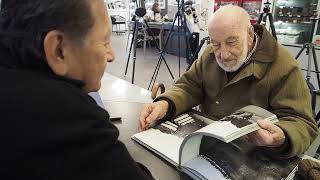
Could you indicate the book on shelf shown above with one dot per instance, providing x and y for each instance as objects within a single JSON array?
[{"x": 208, "y": 149}]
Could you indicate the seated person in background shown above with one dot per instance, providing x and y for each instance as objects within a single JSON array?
[
  {"x": 156, "y": 11},
  {"x": 244, "y": 65},
  {"x": 52, "y": 53},
  {"x": 193, "y": 28},
  {"x": 156, "y": 16}
]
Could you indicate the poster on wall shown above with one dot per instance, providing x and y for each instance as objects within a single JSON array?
[
  {"x": 251, "y": 6},
  {"x": 219, "y": 3}
]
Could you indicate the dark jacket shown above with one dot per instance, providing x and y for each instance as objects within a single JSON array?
[
  {"x": 273, "y": 80},
  {"x": 50, "y": 129}
]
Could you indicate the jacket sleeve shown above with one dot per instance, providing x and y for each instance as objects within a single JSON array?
[
  {"x": 78, "y": 141},
  {"x": 291, "y": 102},
  {"x": 187, "y": 91},
  {"x": 97, "y": 153}
]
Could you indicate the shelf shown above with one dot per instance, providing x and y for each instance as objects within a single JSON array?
[
  {"x": 300, "y": 23},
  {"x": 278, "y": 15},
  {"x": 292, "y": 20}
]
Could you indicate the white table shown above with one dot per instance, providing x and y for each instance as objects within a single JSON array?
[
  {"x": 125, "y": 100},
  {"x": 119, "y": 90}
]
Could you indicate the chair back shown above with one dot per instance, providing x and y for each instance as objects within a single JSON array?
[{"x": 113, "y": 19}]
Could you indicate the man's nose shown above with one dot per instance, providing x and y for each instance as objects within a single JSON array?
[
  {"x": 225, "y": 54},
  {"x": 110, "y": 55}
]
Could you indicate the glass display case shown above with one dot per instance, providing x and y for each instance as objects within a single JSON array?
[
  {"x": 292, "y": 20},
  {"x": 316, "y": 38}
]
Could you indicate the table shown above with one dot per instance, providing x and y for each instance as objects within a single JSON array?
[
  {"x": 125, "y": 100},
  {"x": 153, "y": 24},
  {"x": 130, "y": 112},
  {"x": 116, "y": 89}
]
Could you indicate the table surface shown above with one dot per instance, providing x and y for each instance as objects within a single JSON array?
[
  {"x": 126, "y": 100},
  {"x": 130, "y": 112},
  {"x": 116, "y": 89}
]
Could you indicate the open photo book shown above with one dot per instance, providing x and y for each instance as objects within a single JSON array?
[{"x": 208, "y": 149}]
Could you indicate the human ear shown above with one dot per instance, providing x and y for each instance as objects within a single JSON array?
[
  {"x": 250, "y": 33},
  {"x": 54, "y": 50}
]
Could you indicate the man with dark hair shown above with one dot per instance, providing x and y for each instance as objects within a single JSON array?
[{"x": 52, "y": 53}]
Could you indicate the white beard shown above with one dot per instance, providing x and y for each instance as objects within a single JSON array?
[
  {"x": 232, "y": 68},
  {"x": 241, "y": 60}
]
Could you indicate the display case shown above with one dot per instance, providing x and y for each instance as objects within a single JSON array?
[
  {"x": 292, "y": 20},
  {"x": 316, "y": 39}
]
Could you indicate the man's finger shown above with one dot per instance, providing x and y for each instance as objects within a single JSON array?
[
  {"x": 152, "y": 116},
  {"x": 144, "y": 114},
  {"x": 267, "y": 125},
  {"x": 260, "y": 137},
  {"x": 142, "y": 125},
  {"x": 265, "y": 136}
]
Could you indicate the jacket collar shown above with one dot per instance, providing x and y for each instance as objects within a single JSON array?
[
  {"x": 265, "y": 54},
  {"x": 75, "y": 82},
  {"x": 267, "y": 47}
]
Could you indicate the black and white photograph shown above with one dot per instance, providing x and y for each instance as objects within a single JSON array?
[
  {"x": 242, "y": 161},
  {"x": 182, "y": 125}
]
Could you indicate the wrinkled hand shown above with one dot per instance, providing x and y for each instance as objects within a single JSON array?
[
  {"x": 151, "y": 113},
  {"x": 270, "y": 135}
]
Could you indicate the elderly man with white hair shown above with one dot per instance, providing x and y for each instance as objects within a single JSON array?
[{"x": 244, "y": 65}]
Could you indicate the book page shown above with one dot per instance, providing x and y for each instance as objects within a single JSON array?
[
  {"x": 205, "y": 168},
  {"x": 242, "y": 160},
  {"x": 239, "y": 123},
  {"x": 189, "y": 148},
  {"x": 163, "y": 143},
  {"x": 220, "y": 129},
  {"x": 259, "y": 113},
  {"x": 165, "y": 139},
  {"x": 181, "y": 126}
]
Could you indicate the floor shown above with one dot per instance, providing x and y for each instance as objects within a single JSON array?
[{"x": 146, "y": 64}]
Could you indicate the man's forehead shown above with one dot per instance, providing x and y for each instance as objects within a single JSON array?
[
  {"x": 224, "y": 33},
  {"x": 225, "y": 26}
]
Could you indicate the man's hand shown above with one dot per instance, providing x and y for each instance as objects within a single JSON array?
[
  {"x": 151, "y": 113},
  {"x": 269, "y": 135}
]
